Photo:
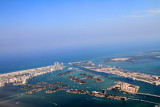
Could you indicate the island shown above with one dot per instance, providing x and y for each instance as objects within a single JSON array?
[
  {"x": 124, "y": 87},
  {"x": 93, "y": 78},
  {"x": 110, "y": 96},
  {"x": 21, "y": 77},
  {"x": 152, "y": 51},
  {"x": 120, "y": 59},
  {"x": 77, "y": 80},
  {"x": 133, "y": 59},
  {"x": 34, "y": 85},
  {"x": 82, "y": 63},
  {"x": 57, "y": 89},
  {"x": 97, "y": 94},
  {"x": 65, "y": 73},
  {"x": 77, "y": 91},
  {"x": 43, "y": 87}
]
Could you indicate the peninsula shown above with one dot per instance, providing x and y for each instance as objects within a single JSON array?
[
  {"x": 151, "y": 79},
  {"x": 21, "y": 77}
]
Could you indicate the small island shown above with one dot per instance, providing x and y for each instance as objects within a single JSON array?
[
  {"x": 77, "y": 80},
  {"x": 77, "y": 91},
  {"x": 84, "y": 63},
  {"x": 57, "y": 89},
  {"x": 124, "y": 87},
  {"x": 93, "y": 78},
  {"x": 43, "y": 87},
  {"x": 65, "y": 73},
  {"x": 32, "y": 86}
]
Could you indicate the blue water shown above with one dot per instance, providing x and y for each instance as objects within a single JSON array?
[{"x": 12, "y": 94}]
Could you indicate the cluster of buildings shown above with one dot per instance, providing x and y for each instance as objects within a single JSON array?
[
  {"x": 120, "y": 59},
  {"x": 21, "y": 77},
  {"x": 76, "y": 80},
  {"x": 77, "y": 91},
  {"x": 105, "y": 95},
  {"x": 57, "y": 88},
  {"x": 82, "y": 63},
  {"x": 97, "y": 94},
  {"x": 125, "y": 87},
  {"x": 40, "y": 88},
  {"x": 151, "y": 79},
  {"x": 93, "y": 78}
]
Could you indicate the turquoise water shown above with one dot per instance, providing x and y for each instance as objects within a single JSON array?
[{"x": 12, "y": 96}]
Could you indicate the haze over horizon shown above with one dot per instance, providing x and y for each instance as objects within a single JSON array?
[{"x": 40, "y": 25}]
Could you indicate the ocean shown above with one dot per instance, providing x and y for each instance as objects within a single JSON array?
[{"x": 13, "y": 96}]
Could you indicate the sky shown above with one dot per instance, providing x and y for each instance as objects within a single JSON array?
[{"x": 43, "y": 25}]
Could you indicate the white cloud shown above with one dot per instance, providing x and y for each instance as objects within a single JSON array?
[
  {"x": 154, "y": 11},
  {"x": 145, "y": 13}
]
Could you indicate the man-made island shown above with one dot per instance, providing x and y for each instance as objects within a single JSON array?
[
  {"x": 124, "y": 87},
  {"x": 120, "y": 59},
  {"x": 57, "y": 89},
  {"x": 77, "y": 80},
  {"x": 43, "y": 87},
  {"x": 102, "y": 94},
  {"x": 151, "y": 79},
  {"x": 77, "y": 91},
  {"x": 93, "y": 78},
  {"x": 33, "y": 86},
  {"x": 97, "y": 94},
  {"x": 65, "y": 73},
  {"x": 21, "y": 77},
  {"x": 82, "y": 63}
]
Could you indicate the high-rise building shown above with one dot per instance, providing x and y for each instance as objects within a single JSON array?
[{"x": 104, "y": 91}]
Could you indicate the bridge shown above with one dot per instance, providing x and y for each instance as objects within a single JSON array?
[
  {"x": 150, "y": 95},
  {"x": 156, "y": 104}
]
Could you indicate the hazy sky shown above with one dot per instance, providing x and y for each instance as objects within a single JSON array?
[{"x": 32, "y": 25}]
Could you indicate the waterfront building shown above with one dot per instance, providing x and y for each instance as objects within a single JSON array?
[{"x": 104, "y": 91}]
